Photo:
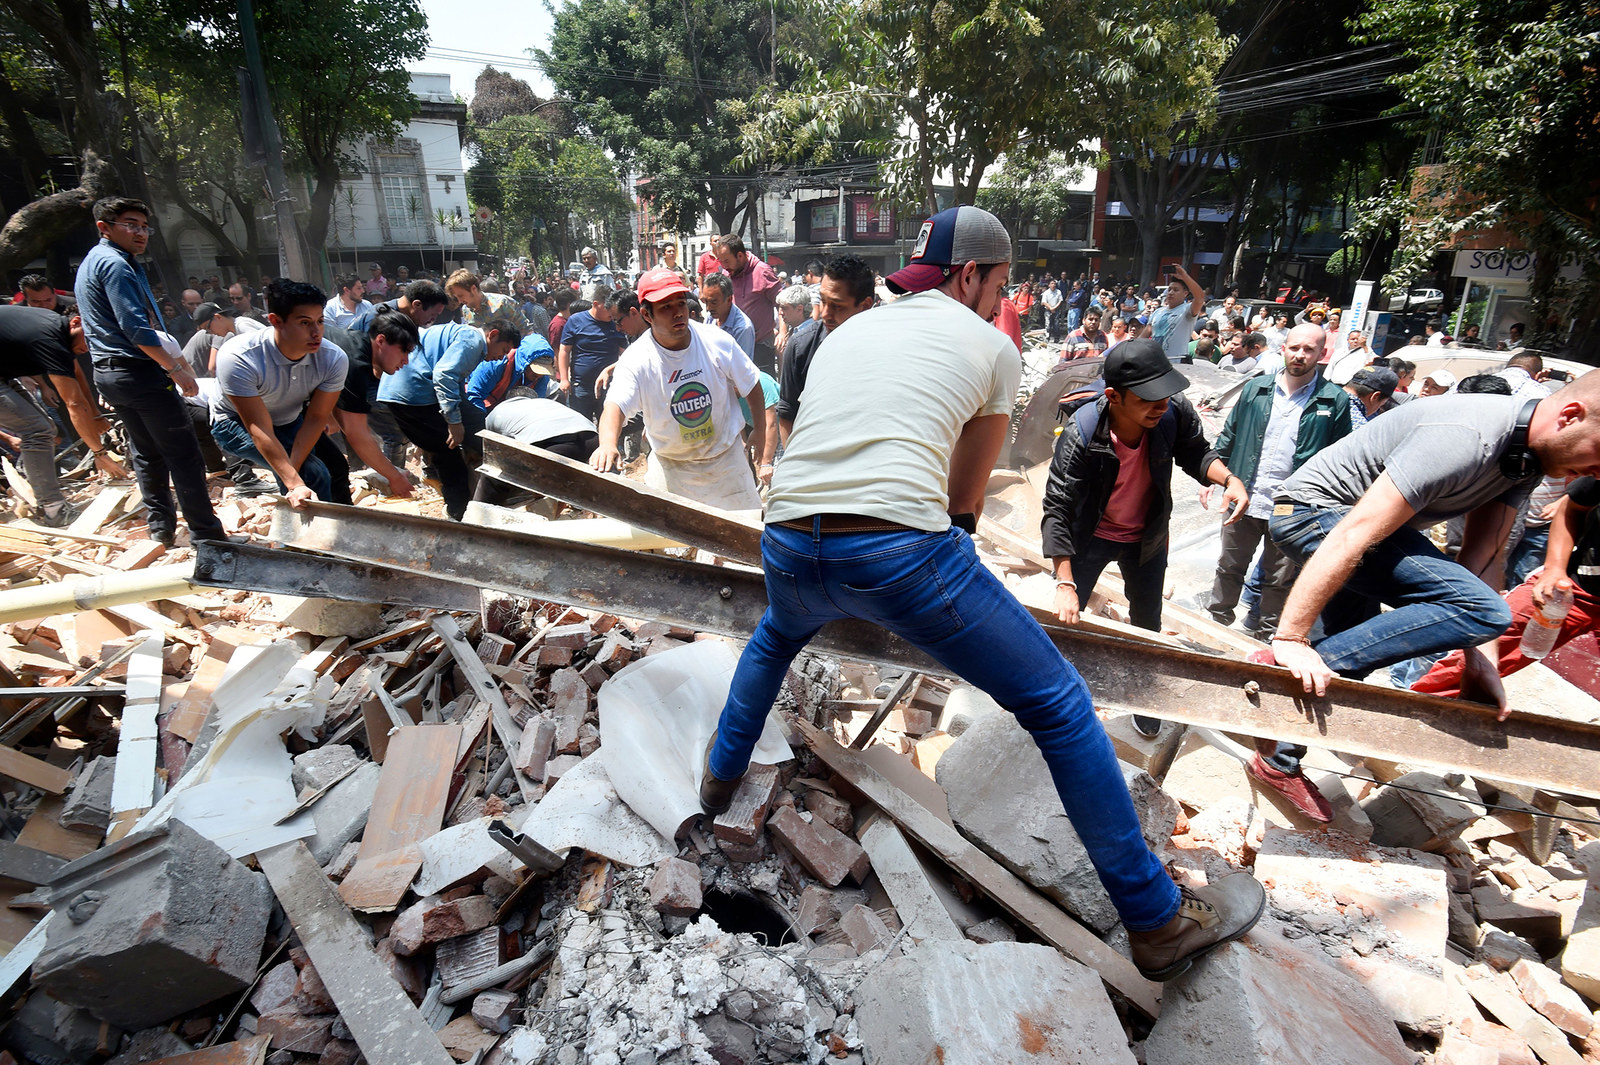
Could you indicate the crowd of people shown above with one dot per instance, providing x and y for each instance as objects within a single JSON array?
[{"x": 1371, "y": 520}]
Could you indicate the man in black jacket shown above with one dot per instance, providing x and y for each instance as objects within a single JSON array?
[{"x": 1109, "y": 496}]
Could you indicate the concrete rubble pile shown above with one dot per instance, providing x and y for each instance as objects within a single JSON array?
[{"x": 299, "y": 830}]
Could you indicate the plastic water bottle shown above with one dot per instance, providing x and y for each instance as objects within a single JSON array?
[{"x": 1540, "y": 634}]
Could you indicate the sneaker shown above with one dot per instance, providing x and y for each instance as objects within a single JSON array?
[
  {"x": 1148, "y": 727},
  {"x": 715, "y": 795},
  {"x": 1207, "y": 918},
  {"x": 56, "y": 516},
  {"x": 1294, "y": 787},
  {"x": 164, "y": 537}
]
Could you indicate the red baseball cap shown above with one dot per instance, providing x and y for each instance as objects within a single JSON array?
[{"x": 658, "y": 284}]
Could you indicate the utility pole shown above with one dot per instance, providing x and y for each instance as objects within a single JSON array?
[{"x": 292, "y": 259}]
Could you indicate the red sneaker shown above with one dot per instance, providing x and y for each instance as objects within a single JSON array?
[{"x": 1300, "y": 792}]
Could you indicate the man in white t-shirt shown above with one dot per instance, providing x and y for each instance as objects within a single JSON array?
[
  {"x": 279, "y": 386},
  {"x": 1172, "y": 323},
  {"x": 686, "y": 379},
  {"x": 906, "y": 408}
]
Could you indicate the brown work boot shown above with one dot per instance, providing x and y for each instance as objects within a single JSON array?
[
  {"x": 715, "y": 795},
  {"x": 1208, "y": 917},
  {"x": 1296, "y": 790}
]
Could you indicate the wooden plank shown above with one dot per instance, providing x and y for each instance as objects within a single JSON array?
[
  {"x": 410, "y": 628},
  {"x": 375, "y": 718},
  {"x": 904, "y": 881},
  {"x": 252, "y": 1051},
  {"x": 379, "y": 1014},
  {"x": 407, "y": 808},
  {"x": 133, "y": 788},
  {"x": 190, "y": 710},
  {"x": 487, "y": 689},
  {"x": 44, "y": 832},
  {"x": 23, "y": 530},
  {"x": 138, "y": 555},
  {"x": 1050, "y": 922},
  {"x": 33, "y": 771},
  {"x": 100, "y": 508}
]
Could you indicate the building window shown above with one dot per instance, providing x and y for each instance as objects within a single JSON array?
[{"x": 403, "y": 204}]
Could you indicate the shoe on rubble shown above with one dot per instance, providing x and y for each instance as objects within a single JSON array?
[
  {"x": 1148, "y": 727},
  {"x": 1294, "y": 787},
  {"x": 1207, "y": 918},
  {"x": 254, "y": 486},
  {"x": 56, "y": 515},
  {"x": 715, "y": 795}
]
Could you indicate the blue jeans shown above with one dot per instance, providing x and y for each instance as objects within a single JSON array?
[
  {"x": 930, "y": 589},
  {"x": 1142, "y": 581},
  {"x": 1528, "y": 555},
  {"x": 234, "y": 438},
  {"x": 1438, "y": 605},
  {"x": 1074, "y": 317}
]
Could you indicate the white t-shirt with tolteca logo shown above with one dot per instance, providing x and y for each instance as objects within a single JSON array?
[{"x": 690, "y": 398}]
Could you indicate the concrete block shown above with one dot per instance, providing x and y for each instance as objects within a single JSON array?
[
  {"x": 1395, "y": 823},
  {"x": 1543, "y": 990},
  {"x": 326, "y": 617},
  {"x": 1391, "y": 906},
  {"x": 1249, "y": 1002},
  {"x": 1580, "y": 959},
  {"x": 963, "y": 1003},
  {"x": 994, "y": 930},
  {"x": 824, "y": 851},
  {"x": 47, "y": 1030},
  {"x": 820, "y": 908},
  {"x": 1002, "y": 798},
  {"x": 493, "y": 1010},
  {"x": 165, "y": 924},
  {"x": 88, "y": 803},
  {"x": 1201, "y": 776},
  {"x": 1522, "y": 912},
  {"x": 341, "y": 815},
  {"x": 1457, "y": 1049},
  {"x": 675, "y": 888},
  {"x": 319, "y": 766},
  {"x": 1501, "y": 950},
  {"x": 864, "y": 929},
  {"x": 521, "y": 1046},
  {"x": 1153, "y": 755}
]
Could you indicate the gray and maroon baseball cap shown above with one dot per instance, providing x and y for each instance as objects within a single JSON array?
[{"x": 947, "y": 241}]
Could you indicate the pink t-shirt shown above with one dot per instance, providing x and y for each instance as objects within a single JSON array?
[{"x": 1123, "y": 521}]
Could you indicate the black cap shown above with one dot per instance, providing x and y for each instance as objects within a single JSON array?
[
  {"x": 207, "y": 311},
  {"x": 1381, "y": 380},
  {"x": 1141, "y": 367}
]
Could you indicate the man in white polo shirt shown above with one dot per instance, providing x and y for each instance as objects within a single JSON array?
[
  {"x": 687, "y": 379},
  {"x": 279, "y": 386},
  {"x": 906, "y": 408}
]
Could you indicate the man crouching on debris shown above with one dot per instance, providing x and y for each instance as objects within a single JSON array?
[
  {"x": 1355, "y": 516},
  {"x": 905, "y": 410}
]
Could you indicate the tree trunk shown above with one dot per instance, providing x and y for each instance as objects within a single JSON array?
[
  {"x": 33, "y": 229},
  {"x": 31, "y": 159}
]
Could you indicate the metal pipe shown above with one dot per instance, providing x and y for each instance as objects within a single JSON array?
[{"x": 92, "y": 593}]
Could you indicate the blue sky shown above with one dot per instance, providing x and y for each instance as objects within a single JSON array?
[{"x": 467, "y": 35}]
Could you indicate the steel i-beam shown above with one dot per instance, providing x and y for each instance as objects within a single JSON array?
[
  {"x": 1125, "y": 676},
  {"x": 257, "y": 568}
]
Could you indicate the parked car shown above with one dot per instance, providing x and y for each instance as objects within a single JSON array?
[{"x": 1424, "y": 299}]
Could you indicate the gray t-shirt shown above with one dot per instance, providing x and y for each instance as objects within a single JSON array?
[
  {"x": 530, "y": 420},
  {"x": 250, "y": 364},
  {"x": 1171, "y": 328},
  {"x": 1442, "y": 454}
]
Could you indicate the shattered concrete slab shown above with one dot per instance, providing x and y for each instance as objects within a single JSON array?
[
  {"x": 964, "y": 1003},
  {"x": 1002, "y": 798}
]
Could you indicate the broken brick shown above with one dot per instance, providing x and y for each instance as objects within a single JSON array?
[
  {"x": 822, "y": 850},
  {"x": 493, "y": 1009},
  {"x": 534, "y": 750},
  {"x": 574, "y": 637},
  {"x": 675, "y": 888},
  {"x": 865, "y": 929},
  {"x": 569, "y": 704},
  {"x": 614, "y": 654},
  {"x": 1509, "y": 1047},
  {"x": 746, "y": 815},
  {"x": 1544, "y": 991},
  {"x": 834, "y": 811},
  {"x": 554, "y": 657},
  {"x": 291, "y": 1030},
  {"x": 425, "y": 924}
]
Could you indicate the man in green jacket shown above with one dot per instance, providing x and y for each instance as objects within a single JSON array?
[{"x": 1278, "y": 423}]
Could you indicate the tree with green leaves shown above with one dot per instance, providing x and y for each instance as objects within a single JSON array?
[
  {"x": 947, "y": 87},
  {"x": 1026, "y": 190},
  {"x": 1507, "y": 93},
  {"x": 658, "y": 82}
]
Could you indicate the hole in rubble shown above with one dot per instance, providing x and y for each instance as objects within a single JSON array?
[{"x": 740, "y": 912}]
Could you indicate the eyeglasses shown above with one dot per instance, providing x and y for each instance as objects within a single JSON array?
[{"x": 136, "y": 229}]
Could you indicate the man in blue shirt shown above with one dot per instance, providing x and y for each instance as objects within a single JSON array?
[
  {"x": 716, "y": 292},
  {"x": 590, "y": 341},
  {"x": 428, "y": 400},
  {"x": 139, "y": 377}
]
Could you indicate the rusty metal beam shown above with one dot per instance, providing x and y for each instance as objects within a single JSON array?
[
  {"x": 1125, "y": 676},
  {"x": 257, "y": 568},
  {"x": 663, "y": 513}
]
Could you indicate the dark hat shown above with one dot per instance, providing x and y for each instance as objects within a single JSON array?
[
  {"x": 951, "y": 238},
  {"x": 1141, "y": 367},
  {"x": 207, "y": 311},
  {"x": 1380, "y": 380}
]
